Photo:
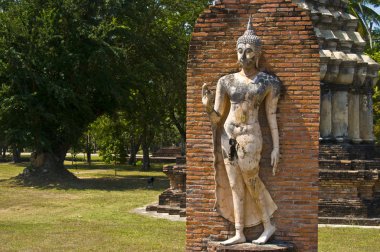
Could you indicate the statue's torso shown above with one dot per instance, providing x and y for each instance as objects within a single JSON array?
[{"x": 245, "y": 96}]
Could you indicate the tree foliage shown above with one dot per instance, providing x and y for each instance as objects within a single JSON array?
[
  {"x": 59, "y": 70},
  {"x": 157, "y": 69},
  {"x": 64, "y": 63},
  {"x": 376, "y": 101},
  {"x": 368, "y": 17},
  {"x": 112, "y": 137}
]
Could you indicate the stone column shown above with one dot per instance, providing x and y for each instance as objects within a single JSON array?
[
  {"x": 353, "y": 116},
  {"x": 366, "y": 110},
  {"x": 354, "y": 98},
  {"x": 339, "y": 114},
  {"x": 325, "y": 117},
  {"x": 366, "y": 119},
  {"x": 340, "y": 96}
]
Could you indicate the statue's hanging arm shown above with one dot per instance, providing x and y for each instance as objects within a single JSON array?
[{"x": 271, "y": 101}]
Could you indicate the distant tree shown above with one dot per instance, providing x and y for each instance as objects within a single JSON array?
[
  {"x": 158, "y": 56},
  {"x": 112, "y": 137}
]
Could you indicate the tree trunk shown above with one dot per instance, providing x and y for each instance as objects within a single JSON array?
[
  {"x": 16, "y": 155},
  {"x": 4, "y": 152},
  {"x": 146, "y": 159},
  {"x": 123, "y": 153},
  {"x": 183, "y": 147},
  {"x": 47, "y": 167},
  {"x": 135, "y": 146},
  {"x": 88, "y": 157},
  {"x": 182, "y": 131},
  {"x": 180, "y": 126},
  {"x": 88, "y": 149}
]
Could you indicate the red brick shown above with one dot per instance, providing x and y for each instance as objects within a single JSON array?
[{"x": 291, "y": 52}]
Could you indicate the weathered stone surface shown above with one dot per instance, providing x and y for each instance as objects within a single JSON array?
[
  {"x": 341, "y": 62},
  {"x": 168, "y": 152},
  {"x": 349, "y": 182},
  {"x": 173, "y": 199},
  {"x": 249, "y": 247},
  {"x": 349, "y": 179}
]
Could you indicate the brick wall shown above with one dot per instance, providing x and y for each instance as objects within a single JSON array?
[{"x": 290, "y": 50}]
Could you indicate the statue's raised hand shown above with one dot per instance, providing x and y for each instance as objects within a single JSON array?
[
  {"x": 207, "y": 98},
  {"x": 275, "y": 157}
]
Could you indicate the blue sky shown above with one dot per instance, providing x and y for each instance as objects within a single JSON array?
[{"x": 377, "y": 9}]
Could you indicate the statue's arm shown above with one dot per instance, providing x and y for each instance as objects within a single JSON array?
[
  {"x": 271, "y": 101},
  {"x": 215, "y": 111}
]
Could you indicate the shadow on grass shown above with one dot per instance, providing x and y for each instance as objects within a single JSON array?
[
  {"x": 106, "y": 183},
  {"x": 102, "y": 166},
  {"x": 116, "y": 183},
  {"x": 98, "y": 176}
]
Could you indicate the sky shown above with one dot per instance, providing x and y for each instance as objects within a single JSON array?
[{"x": 377, "y": 9}]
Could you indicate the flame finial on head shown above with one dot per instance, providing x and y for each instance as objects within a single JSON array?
[
  {"x": 249, "y": 37},
  {"x": 249, "y": 25}
]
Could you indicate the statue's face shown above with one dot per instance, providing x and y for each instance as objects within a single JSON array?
[{"x": 246, "y": 54}]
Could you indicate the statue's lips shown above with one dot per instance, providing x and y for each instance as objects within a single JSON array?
[{"x": 246, "y": 61}]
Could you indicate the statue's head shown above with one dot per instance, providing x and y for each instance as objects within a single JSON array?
[{"x": 249, "y": 47}]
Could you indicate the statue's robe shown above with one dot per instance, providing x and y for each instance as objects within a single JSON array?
[{"x": 224, "y": 205}]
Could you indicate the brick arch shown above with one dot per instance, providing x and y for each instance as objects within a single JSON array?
[{"x": 291, "y": 52}]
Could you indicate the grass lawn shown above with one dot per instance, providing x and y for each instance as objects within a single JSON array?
[
  {"x": 348, "y": 240},
  {"x": 95, "y": 215},
  {"x": 92, "y": 215}
]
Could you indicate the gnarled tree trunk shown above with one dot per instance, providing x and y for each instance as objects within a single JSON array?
[{"x": 47, "y": 167}]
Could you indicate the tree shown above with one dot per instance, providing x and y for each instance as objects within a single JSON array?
[
  {"x": 158, "y": 72},
  {"x": 112, "y": 136},
  {"x": 368, "y": 17},
  {"x": 376, "y": 101},
  {"x": 59, "y": 70},
  {"x": 64, "y": 63}
]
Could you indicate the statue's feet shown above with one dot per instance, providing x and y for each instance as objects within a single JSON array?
[
  {"x": 235, "y": 240},
  {"x": 264, "y": 237}
]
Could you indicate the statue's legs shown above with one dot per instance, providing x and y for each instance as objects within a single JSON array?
[
  {"x": 249, "y": 154},
  {"x": 238, "y": 195},
  {"x": 255, "y": 187}
]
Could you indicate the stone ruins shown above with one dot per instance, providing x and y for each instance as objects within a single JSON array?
[{"x": 349, "y": 165}]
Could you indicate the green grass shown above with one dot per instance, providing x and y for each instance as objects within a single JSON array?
[
  {"x": 348, "y": 240},
  {"x": 94, "y": 214},
  {"x": 91, "y": 215}
]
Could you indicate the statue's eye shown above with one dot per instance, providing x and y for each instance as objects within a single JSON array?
[
  {"x": 249, "y": 50},
  {"x": 240, "y": 50}
]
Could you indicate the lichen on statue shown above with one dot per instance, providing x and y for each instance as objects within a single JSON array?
[{"x": 241, "y": 196}]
